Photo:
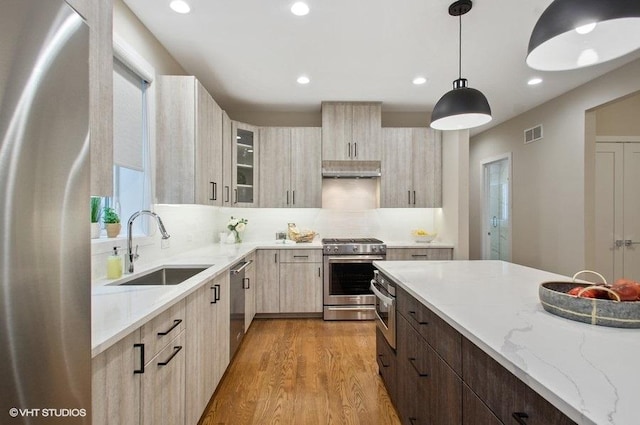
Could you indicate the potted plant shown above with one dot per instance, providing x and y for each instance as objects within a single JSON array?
[
  {"x": 95, "y": 217},
  {"x": 111, "y": 221}
]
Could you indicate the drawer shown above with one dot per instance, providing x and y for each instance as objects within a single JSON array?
[
  {"x": 160, "y": 330},
  {"x": 394, "y": 254},
  {"x": 503, "y": 392},
  {"x": 439, "y": 334},
  {"x": 300, "y": 255}
]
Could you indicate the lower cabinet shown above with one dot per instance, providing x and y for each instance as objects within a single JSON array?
[
  {"x": 141, "y": 379},
  {"x": 208, "y": 312},
  {"x": 436, "y": 376},
  {"x": 290, "y": 281}
]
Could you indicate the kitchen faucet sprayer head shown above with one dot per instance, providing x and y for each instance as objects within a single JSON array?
[{"x": 163, "y": 231}]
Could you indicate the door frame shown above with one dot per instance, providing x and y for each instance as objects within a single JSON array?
[{"x": 486, "y": 248}]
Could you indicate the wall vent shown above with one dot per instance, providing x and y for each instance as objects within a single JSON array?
[{"x": 533, "y": 134}]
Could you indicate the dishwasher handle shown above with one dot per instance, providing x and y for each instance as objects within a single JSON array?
[{"x": 244, "y": 265}]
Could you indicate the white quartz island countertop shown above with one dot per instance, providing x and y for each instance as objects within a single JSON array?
[{"x": 591, "y": 373}]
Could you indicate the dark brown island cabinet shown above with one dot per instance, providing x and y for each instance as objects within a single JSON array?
[{"x": 438, "y": 377}]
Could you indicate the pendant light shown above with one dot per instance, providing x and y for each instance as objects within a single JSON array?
[
  {"x": 463, "y": 107},
  {"x": 572, "y": 34}
]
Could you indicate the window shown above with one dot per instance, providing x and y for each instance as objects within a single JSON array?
[{"x": 131, "y": 156}]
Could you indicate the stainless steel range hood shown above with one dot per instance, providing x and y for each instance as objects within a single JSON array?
[{"x": 351, "y": 169}]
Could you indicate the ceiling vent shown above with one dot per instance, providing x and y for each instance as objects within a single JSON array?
[{"x": 533, "y": 134}]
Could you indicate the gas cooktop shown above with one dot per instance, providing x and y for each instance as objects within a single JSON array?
[{"x": 353, "y": 246}]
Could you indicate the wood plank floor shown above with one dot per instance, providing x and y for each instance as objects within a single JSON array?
[{"x": 303, "y": 372}]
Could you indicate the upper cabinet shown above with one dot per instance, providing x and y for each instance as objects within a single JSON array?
[
  {"x": 411, "y": 168},
  {"x": 244, "y": 168},
  {"x": 189, "y": 143},
  {"x": 351, "y": 131},
  {"x": 290, "y": 167},
  {"x": 227, "y": 163}
]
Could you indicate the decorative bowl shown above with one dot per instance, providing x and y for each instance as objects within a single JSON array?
[{"x": 422, "y": 238}]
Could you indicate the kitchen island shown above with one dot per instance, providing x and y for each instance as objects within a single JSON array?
[{"x": 590, "y": 373}]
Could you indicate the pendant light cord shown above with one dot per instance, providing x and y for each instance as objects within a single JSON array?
[{"x": 460, "y": 47}]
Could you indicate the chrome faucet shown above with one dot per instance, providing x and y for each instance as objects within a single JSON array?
[{"x": 131, "y": 256}]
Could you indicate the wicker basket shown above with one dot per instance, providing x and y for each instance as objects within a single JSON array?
[
  {"x": 303, "y": 236},
  {"x": 603, "y": 312}
]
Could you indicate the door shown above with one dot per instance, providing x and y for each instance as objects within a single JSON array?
[
  {"x": 497, "y": 209},
  {"x": 617, "y": 229},
  {"x": 274, "y": 167}
]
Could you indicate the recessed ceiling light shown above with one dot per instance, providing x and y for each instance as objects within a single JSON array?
[
  {"x": 534, "y": 81},
  {"x": 303, "y": 79},
  {"x": 419, "y": 80},
  {"x": 300, "y": 8},
  {"x": 180, "y": 6}
]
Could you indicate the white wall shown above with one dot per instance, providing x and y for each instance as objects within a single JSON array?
[{"x": 552, "y": 186}]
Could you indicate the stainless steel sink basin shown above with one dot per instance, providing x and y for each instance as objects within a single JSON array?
[{"x": 165, "y": 276}]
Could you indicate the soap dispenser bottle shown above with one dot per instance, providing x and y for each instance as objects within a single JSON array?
[{"x": 114, "y": 265}]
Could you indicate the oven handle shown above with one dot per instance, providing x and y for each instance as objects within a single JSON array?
[
  {"x": 355, "y": 258},
  {"x": 387, "y": 301}
]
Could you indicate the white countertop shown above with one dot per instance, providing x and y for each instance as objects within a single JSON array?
[
  {"x": 591, "y": 373},
  {"x": 116, "y": 311},
  {"x": 414, "y": 244}
]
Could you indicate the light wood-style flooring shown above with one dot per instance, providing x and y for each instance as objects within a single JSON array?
[{"x": 303, "y": 372}]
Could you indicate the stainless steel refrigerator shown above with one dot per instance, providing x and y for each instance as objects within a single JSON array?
[{"x": 45, "y": 270}]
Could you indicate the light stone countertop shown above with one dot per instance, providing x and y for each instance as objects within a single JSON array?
[
  {"x": 116, "y": 311},
  {"x": 589, "y": 372}
]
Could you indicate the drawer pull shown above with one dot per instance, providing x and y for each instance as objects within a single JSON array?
[
  {"x": 176, "y": 322},
  {"x": 176, "y": 350},
  {"x": 419, "y": 255},
  {"x": 520, "y": 417},
  {"x": 413, "y": 364},
  {"x": 141, "y": 347},
  {"x": 300, "y": 256},
  {"x": 381, "y": 357},
  {"x": 216, "y": 293},
  {"x": 413, "y": 421},
  {"x": 415, "y": 317}
]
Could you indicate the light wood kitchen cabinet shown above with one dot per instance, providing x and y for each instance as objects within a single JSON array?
[
  {"x": 250, "y": 291},
  {"x": 411, "y": 168},
  {"x": 290, "y": 167},
  {"x": 189, "y": 143},
  {"x": 227, "y": 162},
  {"x": 141, "y": 378},
  {"x": 351, "y": 131},
  {"x": 245, "y": 154},
  {"x": 403, "y": 254},
  {"x": 115, "y": 386},
  {"x": 290, "y": 281},
  {"x": 268, "y": 283}
]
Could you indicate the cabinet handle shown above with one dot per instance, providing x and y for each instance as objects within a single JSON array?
[
  {"x": 226, "y": 189},
  {"x": 176, "y": 322},
  {"x": 216, "y": 293},
  {"x": 293, "y": 197},
  {"x": 415, "y": 317},
  {"x": 408, "y": 197},
  {"x": 413, "y": 420},
  {"x": 275, "y": 257},
  {"x": 420, "y": 374},
  {"x": 318, "y": 271},
  {"x": 349, "y": 154},
  {"x": 248, "y": 283},
  {"x": 141, "y": 368},
  {"x": 212, "y": 197},
  {"x": 287, "y": 197},
  {"x": 419, "y": 256},
  {"x": 520, "y": 417},
  {"x": 414, "y": 197},
  {"x": 381, "y": 357},
  {"x": 176, "y": 350},
  {"x": 215, "y": 191},
  {"x": 355, "y": 149},
  {"x": 300, "y": 256},
  {"x": 235, "y": 196}
]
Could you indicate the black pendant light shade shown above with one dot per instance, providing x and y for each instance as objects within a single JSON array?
[
  {"x": 463, "y": 107},
  {"x": 572, "y": 34}
]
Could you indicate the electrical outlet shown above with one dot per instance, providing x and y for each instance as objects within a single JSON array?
[{"x": 165, "y": 243}]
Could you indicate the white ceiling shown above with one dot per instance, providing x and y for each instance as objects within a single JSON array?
[{"x": 248, "y": 53}]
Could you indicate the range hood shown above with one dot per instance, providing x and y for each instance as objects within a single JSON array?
[{"x": 351, "y": 169}]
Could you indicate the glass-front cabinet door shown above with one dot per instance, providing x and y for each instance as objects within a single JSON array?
[{"x": 245, "y": 165}]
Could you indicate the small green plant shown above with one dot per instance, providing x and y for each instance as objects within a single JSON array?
[
  {"x": 95, "y": 208},
  {"x": 110, "y": 216}
]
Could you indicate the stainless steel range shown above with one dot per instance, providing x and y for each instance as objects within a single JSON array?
[{"x": 348, "y": 271}]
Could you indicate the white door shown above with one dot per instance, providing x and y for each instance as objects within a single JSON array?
[
  {"x": 497, "y": 209},
  {"x": 617, "y": 212}
]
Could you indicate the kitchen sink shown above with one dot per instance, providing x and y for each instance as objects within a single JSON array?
[{"x": 171, "y": 275}]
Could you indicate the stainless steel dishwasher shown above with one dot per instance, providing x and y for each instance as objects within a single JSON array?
[{"x": 237, "y": 283}]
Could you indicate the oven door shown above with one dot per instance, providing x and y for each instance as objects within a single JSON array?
[
  {"x": 385, "y": 312},
  {"x": 347, "y": 279}
]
